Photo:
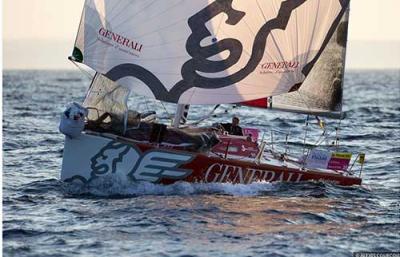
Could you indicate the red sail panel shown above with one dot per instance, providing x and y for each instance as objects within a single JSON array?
[{"x": 260, "y": 103}]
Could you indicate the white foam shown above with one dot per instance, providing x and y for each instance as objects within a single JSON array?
[{"x": 113, "y": 185}]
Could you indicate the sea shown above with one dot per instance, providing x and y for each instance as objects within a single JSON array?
[{"x": 43, "y": 216}]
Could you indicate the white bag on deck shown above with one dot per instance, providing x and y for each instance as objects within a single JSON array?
[{"x": 73, "y": 120}]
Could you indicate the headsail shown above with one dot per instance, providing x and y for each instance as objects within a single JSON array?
[
  {"x": 204, "y": 51},
  {"x": 106, "y": 96},
  {"x": 322, "y": 91}
]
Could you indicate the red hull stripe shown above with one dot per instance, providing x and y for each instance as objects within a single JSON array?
[{"x": 217, "y": 170}]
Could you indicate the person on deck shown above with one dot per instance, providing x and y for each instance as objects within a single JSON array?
[{"x": 233, "y": 128}]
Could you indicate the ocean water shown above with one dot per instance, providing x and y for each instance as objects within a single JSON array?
[{"x": 44, "y": 217}]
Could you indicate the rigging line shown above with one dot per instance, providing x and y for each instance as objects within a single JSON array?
[
  {"x": 219, "y": 29},
  {"x": 244, "y": 50},
  {"x": 326, "y": 138},
  {"x": 247, "y": 25},
  {"x": 337, "y": 134},
  {"x": 321, "y": 140},
  {"x": 272, "y": 35},
  {"x": 206, "y": 116},
  {"x": 320, "y": 137},
  {"x": 301, "y": 96},
  {"x": 219, "y": 26},
  {"x": 193, "y": 92},
  {"x": 148, "y": 19},
  {"x": 107, "y": 93},
  {"x": 166, "y": 111},
  {"x": 305, "y": 133},
  {"x": 82, "y": 70},
  {"x": 295, "y": 52}
]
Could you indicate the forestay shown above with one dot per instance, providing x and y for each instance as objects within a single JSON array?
[{"x": 203, "y": 51}]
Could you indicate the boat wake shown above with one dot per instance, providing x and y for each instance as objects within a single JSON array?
[{"x": 115, "y": 186}]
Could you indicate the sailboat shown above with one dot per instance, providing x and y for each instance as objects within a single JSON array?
[{"x": 287, "y": 55}]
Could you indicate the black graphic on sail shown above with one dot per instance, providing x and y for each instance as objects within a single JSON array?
[{"x": 219, "y": 49}]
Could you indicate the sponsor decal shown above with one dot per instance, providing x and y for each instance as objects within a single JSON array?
[
  {"x": 339, "y": 161},
  {"x": 321, "y": 159},
  {"x": 279, "y": 67},
  {"x": 236, "y": 146},
  {"x": 318, "y": 159},
  {"x": 120, "y": 42},
  {"x": 218, "y": 173},
  {"x": 152, "y": 165}
]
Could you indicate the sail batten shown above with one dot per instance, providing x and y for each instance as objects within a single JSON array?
[{"x": 192, "y": 52}]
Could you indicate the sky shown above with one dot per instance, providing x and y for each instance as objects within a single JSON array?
[{"x": 39, "y": 34}]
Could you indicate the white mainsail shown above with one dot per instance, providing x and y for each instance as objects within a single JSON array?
[{"x": 204, "y": 51}]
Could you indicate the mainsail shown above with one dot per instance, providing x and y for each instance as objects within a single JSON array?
[
  {"x": 204, "y": 51},
  {"x": 322, "y": 91}
]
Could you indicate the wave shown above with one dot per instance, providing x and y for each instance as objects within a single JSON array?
[
  {"x": 17, "y": 232},
  {"x": 69, "y": 79},
  {"x": 114, "y": 186}
]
